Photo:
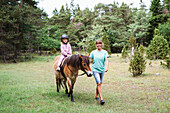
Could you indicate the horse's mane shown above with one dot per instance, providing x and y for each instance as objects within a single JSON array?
[{"x": 75, "y": 60}]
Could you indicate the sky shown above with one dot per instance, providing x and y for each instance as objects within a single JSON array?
[{"x": 50, "y": 5}]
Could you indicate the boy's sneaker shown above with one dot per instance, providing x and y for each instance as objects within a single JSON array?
[{"x": 58, "y": 69}]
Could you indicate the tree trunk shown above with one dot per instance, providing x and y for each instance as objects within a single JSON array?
[
  {"x": 4, "y": 58},
  {"x": 21, "y": 3}
]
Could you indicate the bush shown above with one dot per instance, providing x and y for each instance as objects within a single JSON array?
[
  {"x": 158, "y": 49},
  {"x": 142, "y": 49},
  {"x": 166, "y": 62},
  {"x": 124, "y": 52},
  {"x": 137, "y": 63}
]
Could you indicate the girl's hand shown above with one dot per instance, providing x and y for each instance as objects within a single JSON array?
[{"x": 106, "y": 69}]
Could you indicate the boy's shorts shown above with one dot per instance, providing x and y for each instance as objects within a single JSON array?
[{"x": 98, "y": 76}]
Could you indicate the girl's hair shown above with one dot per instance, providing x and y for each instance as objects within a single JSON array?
[{"x": 99, "y": 41}]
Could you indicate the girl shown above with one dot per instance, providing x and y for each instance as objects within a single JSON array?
[{"x": 65, "y": 50}]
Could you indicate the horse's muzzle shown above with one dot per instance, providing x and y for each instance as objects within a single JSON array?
[{"x": 89, "y": 73}]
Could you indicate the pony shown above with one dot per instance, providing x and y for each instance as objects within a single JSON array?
[{"x": 69, "y": 71}]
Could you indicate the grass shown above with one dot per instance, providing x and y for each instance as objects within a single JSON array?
[{"x": 30, "y": 87}]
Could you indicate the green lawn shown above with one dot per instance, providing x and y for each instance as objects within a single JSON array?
[{"x": 30, "y": 87}]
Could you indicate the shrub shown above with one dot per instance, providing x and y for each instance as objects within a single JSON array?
[
  {"x": 166, "y": 62},
  {"x": 142, "y": 49},
  {"x": 137, "y": 63},
  {"x": 124, "y": 52},
  {"x": 158, "y": 49}
]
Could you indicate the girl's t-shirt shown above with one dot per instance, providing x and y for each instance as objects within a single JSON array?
[{"x": 98, "y": 60}]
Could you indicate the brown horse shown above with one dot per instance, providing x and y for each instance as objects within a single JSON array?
[{"x": 69, "y": 71}]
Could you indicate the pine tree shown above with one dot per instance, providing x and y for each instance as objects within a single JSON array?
[
  {"x": 155, "y": 7},
  {"x": 166, "y": 5},
  {"x": 18, "y": 25},
  {"x": 156, "y": 18},
  {"x": 164, "y": 30},
  {"x": 141, "y": 49},
  {"x": 137, "y": 64},
  {"x": 158, "y": 48},
  {"x": 91, "y": 46},
  {"x": 106, "y": 43},
  {"x": 140, "y": 26},
  {"x": 124, "y": 52}
]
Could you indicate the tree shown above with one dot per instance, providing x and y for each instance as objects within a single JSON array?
[
  {"x": 91, "y": 46},
  {"x": 140, "y": 26},
  {"x": 44, "y": 42},
  {"x": 155, "y": 7},
  {"x": 158, "y": 48},
  {"x": 164, "y": 29},
  {"x": 106, "y": 43},
  {"x": 131, "y": 45},
  {"x": 137, "y": 64},
  {"x": 124, "y": 53},
  {"x": 18, "y": 25},
  {"x": 166, "y": 5},
  {"x": 115, "y": 20},
  {"x": 156, "y": 18}
]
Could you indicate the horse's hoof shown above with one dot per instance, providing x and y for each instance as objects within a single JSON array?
[{"x": 72, "y": 101}]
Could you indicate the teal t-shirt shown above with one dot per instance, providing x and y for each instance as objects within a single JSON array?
[{"x": 98, "y": 60}]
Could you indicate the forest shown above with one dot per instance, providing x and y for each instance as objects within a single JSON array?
[{"x": 25, "y": 28}]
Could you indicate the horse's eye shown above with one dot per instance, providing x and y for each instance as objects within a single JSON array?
[{"x": 84, "y": 64}]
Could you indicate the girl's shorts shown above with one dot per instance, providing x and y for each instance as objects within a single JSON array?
[{"x": 98, "y": 76}]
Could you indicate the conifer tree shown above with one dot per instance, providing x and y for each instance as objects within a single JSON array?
[
  {"x": 106, "y": 43},
  {"x": 158, "y": 48},
  {"x": 124, "y": 52},
  {"x": 141, "y": 49},
  {"x": 156, "y": 18},
  {"x": 140, "y": 26},
  {"x": 91, "y": 46},
  {"x": 137, "y": 64}
]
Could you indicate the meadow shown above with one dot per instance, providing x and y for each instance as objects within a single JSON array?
[{"x": 30, "y": 87}]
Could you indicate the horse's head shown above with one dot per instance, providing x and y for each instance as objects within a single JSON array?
[{"x": 85, "y": 65}]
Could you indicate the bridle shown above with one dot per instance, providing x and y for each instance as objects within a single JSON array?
[{"x": 81, "y": 69}]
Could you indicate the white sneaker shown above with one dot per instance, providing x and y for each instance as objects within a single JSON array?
[{"x": 58, "y": 69}]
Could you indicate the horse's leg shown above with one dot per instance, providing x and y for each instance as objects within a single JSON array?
[
  {"x": 73, "y": 82},
  {"x": 57, "y": 83},
  {"x": 71, "y": 90},
  {"x": 66, "y": 90}
]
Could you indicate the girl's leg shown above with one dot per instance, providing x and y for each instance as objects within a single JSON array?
[
  {"x": 98, "y": 88},
  {"x": 99, "y": 91},
  {"x": 60, "y": 60}
]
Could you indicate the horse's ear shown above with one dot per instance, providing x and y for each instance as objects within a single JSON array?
[{"x": 80, "y": 56}]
